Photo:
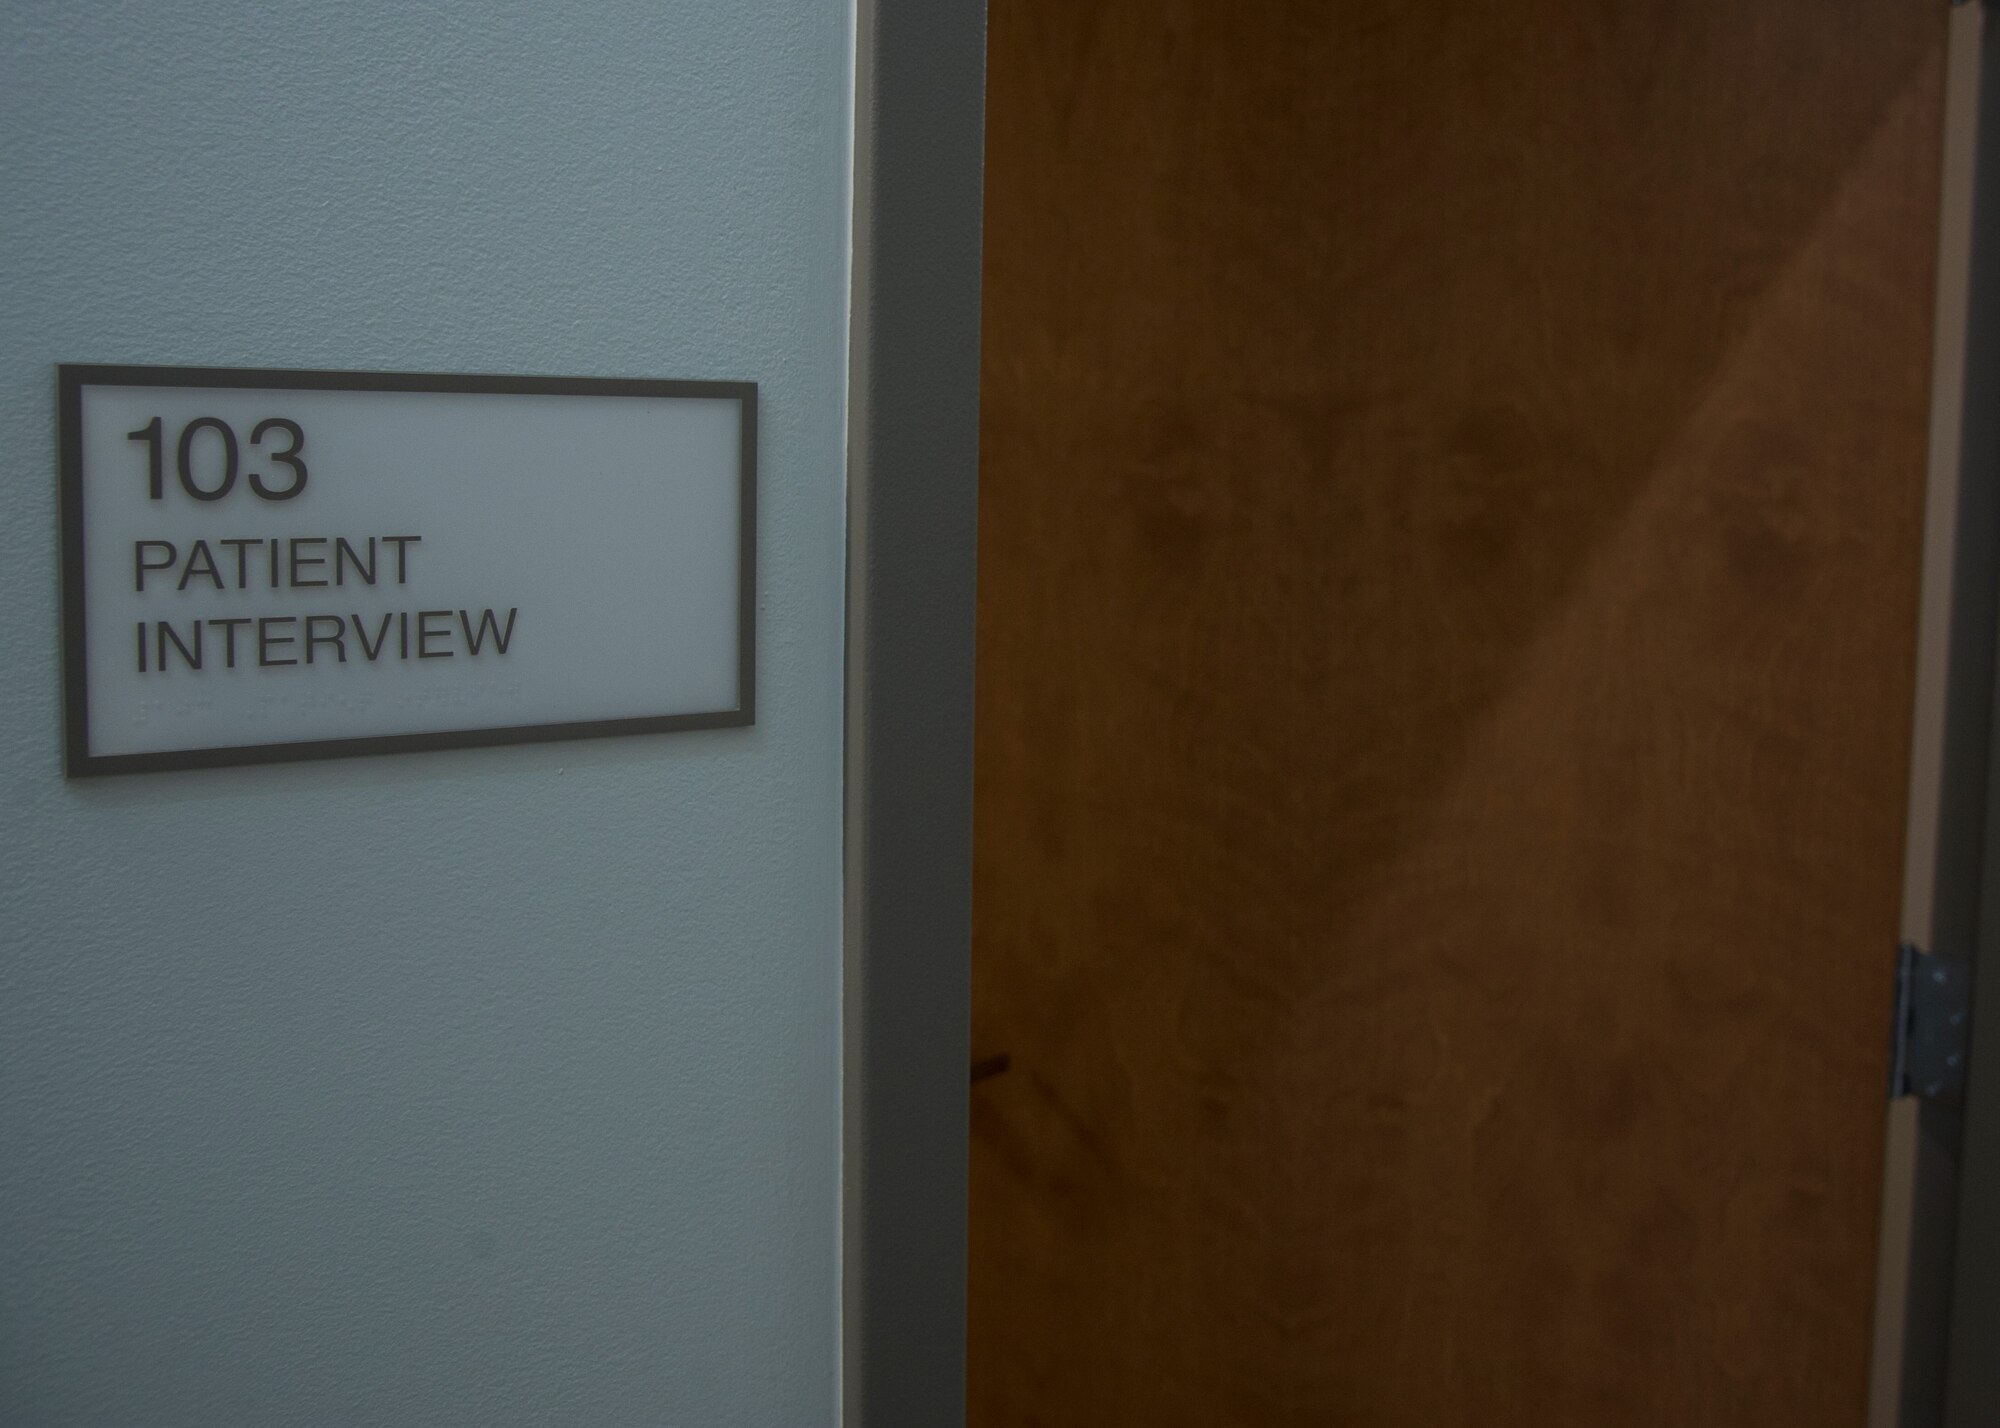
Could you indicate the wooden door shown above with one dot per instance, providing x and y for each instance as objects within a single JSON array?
[{"x": 1449, "y": 533}]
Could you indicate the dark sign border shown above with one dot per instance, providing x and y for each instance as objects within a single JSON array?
[{"x": 72, "y": 378}]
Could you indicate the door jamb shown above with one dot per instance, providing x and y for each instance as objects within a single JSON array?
[
  {"x": 913, "y": 443},
  {"x": 1938, "y": 1273}
]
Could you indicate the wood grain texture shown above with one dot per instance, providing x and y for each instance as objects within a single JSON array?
[{"x": 1450, "y": 494}]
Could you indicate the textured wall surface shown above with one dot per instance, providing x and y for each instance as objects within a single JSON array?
[{"x": 481, "y": 1087}]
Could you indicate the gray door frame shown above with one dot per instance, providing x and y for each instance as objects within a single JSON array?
[
  {"x": 1938, "y": 1282},
  {"x": 913, "y": 445}
]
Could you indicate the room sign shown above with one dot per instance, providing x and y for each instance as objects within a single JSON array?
[{"x": 266, "y": 565}]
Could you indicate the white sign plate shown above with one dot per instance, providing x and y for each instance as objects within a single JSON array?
[{"x": 264, "y": 565}]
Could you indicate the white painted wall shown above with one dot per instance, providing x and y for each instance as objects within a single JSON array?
[{"x": 479, "y": 1087}]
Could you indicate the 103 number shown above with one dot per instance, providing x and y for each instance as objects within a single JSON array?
[{"x": 292, "y": 457}]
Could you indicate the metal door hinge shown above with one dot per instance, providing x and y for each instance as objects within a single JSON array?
[{"x": 1933, "y": 1026}]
